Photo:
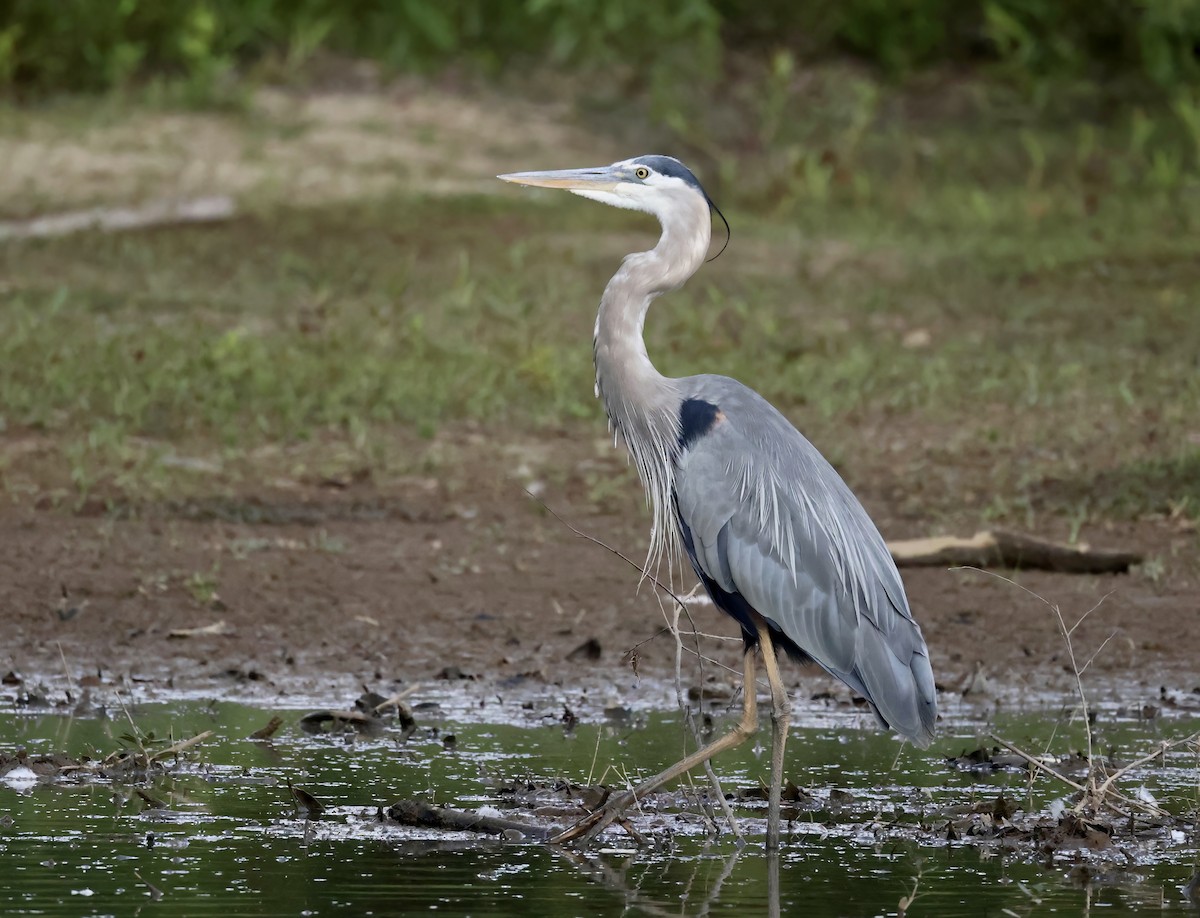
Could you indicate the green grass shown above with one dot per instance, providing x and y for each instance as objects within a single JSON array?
[
  {"x": 966, "y": 329},
  {"x": 279, "y": 326}
]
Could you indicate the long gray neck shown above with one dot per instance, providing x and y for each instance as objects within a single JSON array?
[{"x": 642, "y": 404}]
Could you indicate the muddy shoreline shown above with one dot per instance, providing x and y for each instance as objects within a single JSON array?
[{"x": 409, "y": 584}]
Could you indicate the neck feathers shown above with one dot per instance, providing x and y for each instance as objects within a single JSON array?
[{"x": 642, "y": 404}]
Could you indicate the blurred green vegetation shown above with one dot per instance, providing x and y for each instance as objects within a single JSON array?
[
  {"x": 88, "y": 45},
  {"x": 1001, "y": 270},
  {"x": 995, "y": 325}
]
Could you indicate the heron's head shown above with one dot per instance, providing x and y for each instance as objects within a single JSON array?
[{"x": 659, "y": 185}]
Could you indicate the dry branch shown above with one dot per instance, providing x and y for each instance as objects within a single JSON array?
[
  {"x": 115, "y": 219},
  {"x": 394, "y": 700},
  {"x": 181, "y": 746},
  {"x": 1000, "y": 548},
  {"x": 216, "y": 628}
]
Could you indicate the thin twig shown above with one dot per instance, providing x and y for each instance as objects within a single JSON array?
[
  {"x": 1087, "y": 794},
  {"x": 654, "y": 637},
  {"x": 66, "y": 669},
  {"x": 1163, "y": 748},
  {"x": 1103, "y": 644},
  {"x": 1036, "y": 762},
  {"x": 1090, "y": 792},
  {"x": 673, "y": 628},
  {"x": 637, "y": 567},
  {"x": 398, "y": 697},
  {"x": 1098, "y": 604},
  {"x": 136, "y": 733},
  {"x": 179, "y": 747},
  {"x": 583, "y": 535},
  {"x": 1066, "y": 633},
  {"x": 1087, "y": 721},
  {"x": 689, "y": 714},
  {"x": 595, "y": 755}
]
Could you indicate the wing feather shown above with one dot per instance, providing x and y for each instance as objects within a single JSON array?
[{"x": 771, "y": 520}]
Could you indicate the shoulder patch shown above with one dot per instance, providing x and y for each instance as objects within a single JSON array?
[{"x": 696, "y": 418}]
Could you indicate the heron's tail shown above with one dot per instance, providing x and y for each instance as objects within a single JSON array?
[{"x": 897, "y": 681}]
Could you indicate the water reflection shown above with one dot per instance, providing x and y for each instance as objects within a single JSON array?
[
  {"x": 697, "y": 898},
  {"x": 221, "y": 834}
]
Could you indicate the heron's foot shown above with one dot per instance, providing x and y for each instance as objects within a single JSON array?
[{"x": 586, "y": 829}]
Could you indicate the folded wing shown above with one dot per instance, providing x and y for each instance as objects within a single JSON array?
[{"x": 768, "y": 521}]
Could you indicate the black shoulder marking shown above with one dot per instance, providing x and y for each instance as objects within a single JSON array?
[{"x": 696, "y": 418}]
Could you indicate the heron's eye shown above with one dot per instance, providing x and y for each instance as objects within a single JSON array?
[{"x": 642, "y": 172}]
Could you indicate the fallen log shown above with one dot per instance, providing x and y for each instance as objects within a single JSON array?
[
  {"x": 118, "y": 219},
  {"x": 424, "y": 815},
  {"x": 1000, "y": 548}
]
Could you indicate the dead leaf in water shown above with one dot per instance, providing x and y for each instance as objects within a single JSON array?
[
  {"x": 793, "y": 794},
  {"x": 370, "y": 702},
  {"x": 377, "y": 706},
  {"x": 1001, "y": 808},
  {"x": 152, "y": 803},
  {"x": 789, "y": 793},
  {"x": 307, "y": 805},
  {"x": 425, "y": 815},
  {"x": 1074, "y": 832},
  {"x": 984, "y": 759},
  {"x": 269, "y": 730},
  {"x": 839, "y": 798},
  {"x": 340, "y": 722},
  {"x": 453, "y": 673},
  {"x": 569, "y": 719}
]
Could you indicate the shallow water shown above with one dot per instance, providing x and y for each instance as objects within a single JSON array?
[{"x": 229, "y": 841}]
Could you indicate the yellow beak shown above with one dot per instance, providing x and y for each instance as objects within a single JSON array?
[{"x": 601, "y": 178}]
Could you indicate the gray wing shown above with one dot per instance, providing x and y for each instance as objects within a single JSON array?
[{"x": 768, "y": 519}]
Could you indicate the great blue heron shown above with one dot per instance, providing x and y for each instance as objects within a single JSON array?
[{"x": 777, "y": 538}]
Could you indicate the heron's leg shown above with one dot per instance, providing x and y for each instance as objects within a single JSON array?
[
  {"x": 781, "y": 714},
  {"x": 773, "y": 883},
  {"x": 596, "y": 822}
]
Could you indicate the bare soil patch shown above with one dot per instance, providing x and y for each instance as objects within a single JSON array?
[
  {"x": 308, "y": 147},
  {"x": 457, "y": 570},
  {"x": 467, "y": 576}
]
